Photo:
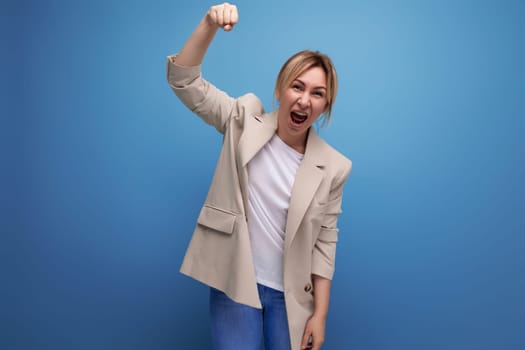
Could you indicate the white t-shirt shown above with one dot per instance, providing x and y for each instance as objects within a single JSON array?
[{"x": 271, "y": 174}]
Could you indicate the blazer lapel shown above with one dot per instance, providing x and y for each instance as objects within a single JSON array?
[
  {"x": 257, "y": 132},
  {"x": 307, "y": 180}
]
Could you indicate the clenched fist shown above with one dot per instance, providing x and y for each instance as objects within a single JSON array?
[{"x": 224, "y": 16}]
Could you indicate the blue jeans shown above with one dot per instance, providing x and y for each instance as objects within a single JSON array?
[{"x": 237, "y": 326}]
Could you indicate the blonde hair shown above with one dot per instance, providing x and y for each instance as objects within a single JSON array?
[{"x": 300, "y": 63}]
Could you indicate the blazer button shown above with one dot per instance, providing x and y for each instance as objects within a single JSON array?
[{"x": 307, "y": 287}]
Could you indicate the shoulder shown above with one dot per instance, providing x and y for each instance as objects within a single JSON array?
[
  {"x": 248, "y": 105},
  {"x": 338, "y": 164},
  {"x": 332, "y": 155}
]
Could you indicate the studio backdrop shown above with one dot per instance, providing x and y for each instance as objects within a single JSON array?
[{"x": 106, "y": 170}]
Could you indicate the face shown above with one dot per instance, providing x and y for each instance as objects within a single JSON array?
[{"x": 301, "y": 104}]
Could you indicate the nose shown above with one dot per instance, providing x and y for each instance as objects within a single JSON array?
[{"x": 304, "y": 100}]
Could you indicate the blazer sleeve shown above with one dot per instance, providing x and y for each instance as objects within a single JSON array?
[
  {"x": 200, "y": 96},
  {"x": 323, "y": 260}
]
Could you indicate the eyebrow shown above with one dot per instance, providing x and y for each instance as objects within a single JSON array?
[{"x": 315, "y": 87}]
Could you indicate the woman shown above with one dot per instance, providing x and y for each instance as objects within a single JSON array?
[{"x": 265, "y": 237}]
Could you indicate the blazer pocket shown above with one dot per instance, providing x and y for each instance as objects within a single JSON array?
[
  {"x": 306, "y": 299},
  {"x": 217, "y": 219},
  {"x": 328, "y": 234}
]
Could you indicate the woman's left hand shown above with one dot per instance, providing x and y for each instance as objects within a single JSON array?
[{"x": 314, "y": 331}]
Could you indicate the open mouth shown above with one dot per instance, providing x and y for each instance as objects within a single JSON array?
[{"x": 298, "y": 117}]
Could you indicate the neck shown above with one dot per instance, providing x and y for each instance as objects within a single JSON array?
[{"x": 297, "y": 142}]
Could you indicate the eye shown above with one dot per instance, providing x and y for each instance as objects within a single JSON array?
[
  {"x": 297, "y": 87},
  {"x": 318, "y": 93}
]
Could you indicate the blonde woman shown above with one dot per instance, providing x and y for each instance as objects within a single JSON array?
[{"x": 266, "y": 235}]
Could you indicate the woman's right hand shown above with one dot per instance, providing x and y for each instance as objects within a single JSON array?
[{"x": 224, "y": 16}]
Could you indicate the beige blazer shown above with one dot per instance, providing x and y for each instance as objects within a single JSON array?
[{"x": 219, "y": 253}]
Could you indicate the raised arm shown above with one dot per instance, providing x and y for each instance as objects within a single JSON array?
[
  {"x": 213, "y": 105},
  {"x": 219, "y": 16}
]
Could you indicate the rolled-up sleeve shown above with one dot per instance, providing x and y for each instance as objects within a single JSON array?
[{"x": 323, "y": 260}]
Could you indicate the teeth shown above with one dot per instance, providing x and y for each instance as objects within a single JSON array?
[{"x": 298, "y": 117}]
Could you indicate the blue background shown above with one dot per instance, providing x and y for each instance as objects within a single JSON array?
[{"x": 106, "y": 170}]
